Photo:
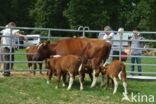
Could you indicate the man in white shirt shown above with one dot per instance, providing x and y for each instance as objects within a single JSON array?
[{"x": 8, "y": 45}]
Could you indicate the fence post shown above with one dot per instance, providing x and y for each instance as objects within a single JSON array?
[{"x": 49, "y": 31}]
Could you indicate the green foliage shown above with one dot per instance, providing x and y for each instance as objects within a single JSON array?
[
  {"x": 49, "y": 13},
  {"x": 92, "y": 13},
  {"x": 73, "y": 13}
]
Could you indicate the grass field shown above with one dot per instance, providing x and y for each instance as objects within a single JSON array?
[{"x": 24, "y": 88}]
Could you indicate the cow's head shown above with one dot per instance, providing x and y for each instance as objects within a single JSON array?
[
  {"x": 104, "y": 68},
  {"x": 43, "y": 51}
]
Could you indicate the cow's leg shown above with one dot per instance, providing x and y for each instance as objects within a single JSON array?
[
  {"x": 81, "y": 82},
  {"x": 102, "y": 79},
  {"x": 125, "y": 87},
  {"x": 40, "y": 66},
  {"x": 94, "y": 79},
  {"x": 58, "y": 80},
  {"x": 49, "y": 73},
  {"x": 95, "y": 66},
  {"x": 30, "y": 67},
  {"x": 64, "y": 79},
  {"x": 107, "y": 81},
  {"x": 81, "y": 79},
  {"x": 91, "y": 76},
  {"x": 35, "y": 67},
  {"x": 112, "y": 83},
  {"x": 70, "y": 81},
  {"x": 115, "y": 85}
]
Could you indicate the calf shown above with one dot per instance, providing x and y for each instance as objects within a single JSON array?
[
  {"x": 30, "y": 57},
  {"x": 65, "y": 64},
  {"x": 115, "y": 71}
]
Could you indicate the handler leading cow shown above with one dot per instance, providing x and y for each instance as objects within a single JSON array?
[{"x": 93, "y": 49}]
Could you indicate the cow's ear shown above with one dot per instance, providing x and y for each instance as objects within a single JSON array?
[{"x": 48, "y": 42}]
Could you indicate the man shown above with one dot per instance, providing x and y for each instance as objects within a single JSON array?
[
  {"x": 8, "y": 45},
  {"x": 135, "y": 43}
]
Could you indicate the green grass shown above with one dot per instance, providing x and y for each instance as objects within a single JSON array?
[
  {"x": 29, "y": 89},
  {"x": 34, "y": 90}
]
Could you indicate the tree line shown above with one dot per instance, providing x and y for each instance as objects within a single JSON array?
[{"x": 72, "y": 13}]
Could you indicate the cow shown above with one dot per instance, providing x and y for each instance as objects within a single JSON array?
[
  {"x": 116, "y": 70},
  {"x": 92, "y": 49},
  {"x": 31, "y": 50},
  {"x": 65, "y": 64}
]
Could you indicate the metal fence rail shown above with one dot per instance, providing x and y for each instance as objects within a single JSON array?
[{"x": 82, "y": 30}]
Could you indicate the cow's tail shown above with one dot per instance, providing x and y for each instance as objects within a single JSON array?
[{"x": 108, "y": 51}]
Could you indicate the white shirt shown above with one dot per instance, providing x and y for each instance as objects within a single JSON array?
[
  {"x": 8, "y": 41},
  {"x": 106, "y": 36}
]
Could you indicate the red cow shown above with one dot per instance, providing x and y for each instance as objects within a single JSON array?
[
  {"x": 32, "y": 50},
  {"x": 93, "y": 49}
]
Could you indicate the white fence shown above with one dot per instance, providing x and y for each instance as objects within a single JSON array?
[{"x": 84, "y": 31}]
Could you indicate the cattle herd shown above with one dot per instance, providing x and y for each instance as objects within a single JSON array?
[{"x": 69, "y": 57}]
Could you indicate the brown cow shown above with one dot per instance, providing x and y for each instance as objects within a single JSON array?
[
  {"x": 32, "y": 50},
  {"x": 65, "y": 64},
  {"x": 115, "y": 71},
  {"x": 93, "y": 49}
]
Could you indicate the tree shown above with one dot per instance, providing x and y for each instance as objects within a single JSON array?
[
  {"x": 17, "y": 11},
  {"x": 93, "y": 13},
  {"x": 49, "y": 13}
]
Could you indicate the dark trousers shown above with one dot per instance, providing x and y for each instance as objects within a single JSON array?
[
  {"x": 138, "y": 61},
  {"x": 8, "y": 57}
]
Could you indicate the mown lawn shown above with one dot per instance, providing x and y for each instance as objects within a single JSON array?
[
  {"x": 29, "y": 89},
  {"x": 24, "y": 88}
]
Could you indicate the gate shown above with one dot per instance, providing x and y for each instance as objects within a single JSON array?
[{"x": 148, "y": 64}]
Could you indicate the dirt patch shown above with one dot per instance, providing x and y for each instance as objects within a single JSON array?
[{"x": 25, "y": 74}]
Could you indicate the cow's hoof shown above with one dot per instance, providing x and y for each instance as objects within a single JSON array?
[
  {"x": 56, "y": 87},
  {"x": 81, "y": 89},
  {"x": 92, "y": 86},
  {"x": 63, "y": 85},
  {"x": 102, "y": 85},
  {"x": 48, "y": 82},
  {"x": 114, "y": 93}
]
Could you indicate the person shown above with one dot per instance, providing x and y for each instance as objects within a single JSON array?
[
  {"x": 107, "y": 35},
  {"x": 116, "y": 50},
  {"x": 8, "y": 45},
  {"x": 135, "y": 43}
]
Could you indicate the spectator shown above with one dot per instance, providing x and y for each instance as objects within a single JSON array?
[
  {"x": 8, "y": 45},
  {"x": 116, "y": 46},
  {"x": 135, "y": 43},
  {"x": 107, "y": 35}
]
